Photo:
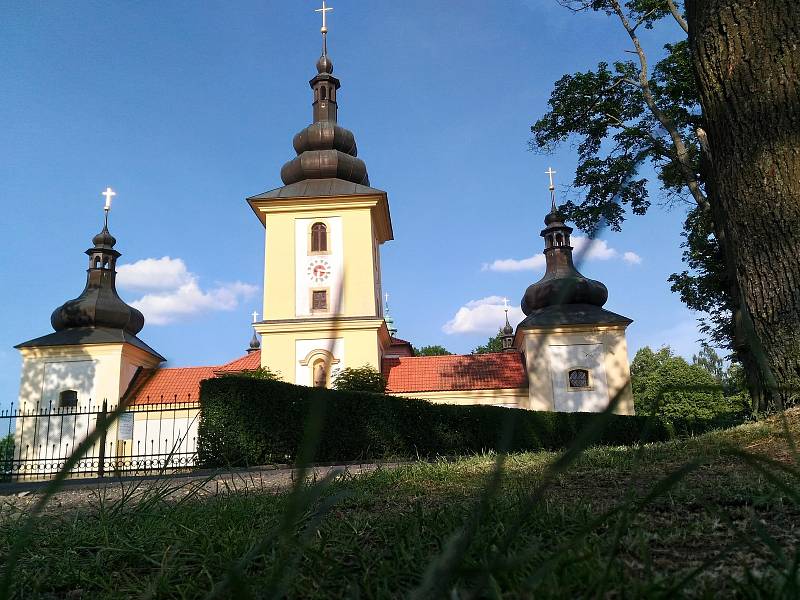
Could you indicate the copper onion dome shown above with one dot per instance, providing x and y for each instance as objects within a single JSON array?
[
  {"x": 99, "y": 305},
  {"x": 561, "y": 284},
  {"x": 324, "y": 149}
]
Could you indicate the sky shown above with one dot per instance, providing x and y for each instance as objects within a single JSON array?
[{"x": 187, "y": 108}]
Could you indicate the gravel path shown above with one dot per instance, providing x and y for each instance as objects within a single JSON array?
[{"x": 77, "y": 494}]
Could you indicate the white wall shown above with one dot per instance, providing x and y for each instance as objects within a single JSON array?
[
  {"x": 562, "y": 359},
  {"x": 334, "y": 258}
]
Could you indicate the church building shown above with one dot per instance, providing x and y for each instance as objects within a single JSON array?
[{"x": 323, "y": 308}]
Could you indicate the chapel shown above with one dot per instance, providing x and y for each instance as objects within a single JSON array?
[{"x": 323, "y": 308}]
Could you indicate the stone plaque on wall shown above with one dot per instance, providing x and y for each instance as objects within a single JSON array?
[{"x": 125, "y": 426}]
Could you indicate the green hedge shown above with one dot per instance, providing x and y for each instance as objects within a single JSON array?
[{"x": 248, "y": 421}]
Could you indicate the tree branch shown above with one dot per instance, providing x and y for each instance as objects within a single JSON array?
[
  {"x": 643, "y": 19},
  {"x": 678, "y": 16},
  {"x": 681, "y": 152}
]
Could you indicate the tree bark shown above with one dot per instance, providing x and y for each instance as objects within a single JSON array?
[{"x": 746, "y": 56}]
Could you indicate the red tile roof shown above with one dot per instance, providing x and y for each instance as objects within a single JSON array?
[
  {"x": 173, "y": 385},
  {"x": 502, "y": 370},
  {"x": 249, "y": 362}
]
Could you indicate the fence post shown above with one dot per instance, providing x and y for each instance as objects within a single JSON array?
[{"x": 101, "y": 422}]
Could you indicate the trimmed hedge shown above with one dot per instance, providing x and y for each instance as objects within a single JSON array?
[{"x": 245, "y": 421}]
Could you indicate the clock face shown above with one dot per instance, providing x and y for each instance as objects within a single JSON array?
[{"x": 319, "y": 270}]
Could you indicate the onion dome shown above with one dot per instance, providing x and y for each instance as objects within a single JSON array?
[
  {"x": 324, "y": 149},
  {"x": 99, "y": 305},
  {"x": 561, "y": 284},
  {"x": 255, "y": 344}
]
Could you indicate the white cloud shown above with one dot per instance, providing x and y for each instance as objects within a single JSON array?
[
  {"x": 486, "y": 315},
  {"x": 632, "y": 258},
  {"x": 171, "y": 291},
  {"x": 534, "y": 263},
  {"x": 150, "y": 274},
  {"x": 584, "y": 249}
]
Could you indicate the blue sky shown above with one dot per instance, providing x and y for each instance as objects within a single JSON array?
[{"x": 186, "y": 108}]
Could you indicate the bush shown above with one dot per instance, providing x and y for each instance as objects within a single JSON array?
[
  {"x": 668, "y": 386},
  {"x": 254, "y": 422},
  {"x": 360, "y": 379}
]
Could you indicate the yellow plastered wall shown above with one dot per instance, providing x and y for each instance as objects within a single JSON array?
[
  {"x": 280, "y": 266},
  {"x": 512, "y": 398},
  {"x": 356, "y": 320},
  {"x": 362, "y": 343},
  {"x": 535, "y": 343}
]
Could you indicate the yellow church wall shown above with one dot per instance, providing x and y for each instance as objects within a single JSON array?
[
  {"x": 361, "y": 340},
  {"x": 512, "y": 398},
  {"x": 279, "y": 267},
  {"x": 545, "y": 375},
  {"x": 353, "y": 323},
  {"x": 362, "y": 224}
]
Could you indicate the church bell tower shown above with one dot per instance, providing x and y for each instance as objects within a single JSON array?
[{"x": 324, "y": 228}]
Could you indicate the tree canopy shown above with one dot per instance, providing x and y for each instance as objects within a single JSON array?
[
  {"x": 360, "y": 379},
  {"x": 493, "y": 344},
  {"x": 626, "y": 114},
  {"x": 434, "y": 350},
  {"x": 669, "y": 386}
]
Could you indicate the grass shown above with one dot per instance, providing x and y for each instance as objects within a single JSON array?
[{"x": 713, "y": 516}]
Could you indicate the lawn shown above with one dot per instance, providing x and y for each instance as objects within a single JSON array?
[{"x": 713, "y": 516}]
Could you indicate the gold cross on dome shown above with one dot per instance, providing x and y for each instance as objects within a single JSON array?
[{"x": 324, "y": 10}]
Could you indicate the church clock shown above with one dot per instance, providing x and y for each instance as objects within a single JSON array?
[{"x": 319, "y": 270}]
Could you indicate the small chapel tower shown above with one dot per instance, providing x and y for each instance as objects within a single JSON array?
[
  {"x": 94, "y": 353},
  {"x": 575, "y": 351},
  {"x": 324, "y": 228}
]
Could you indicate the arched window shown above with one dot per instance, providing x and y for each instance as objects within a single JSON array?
[
  {"x": 319, "y": 237},
  {"x": 559, "y": 239},
  {"x": 324, "y": 92},
  {"x": 68, "y": 399},
  {"x": 579, "y": 378},
  {"x": 96, "y": 262}
]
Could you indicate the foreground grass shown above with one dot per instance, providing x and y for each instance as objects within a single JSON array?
[{"x": 618, "y": 523}]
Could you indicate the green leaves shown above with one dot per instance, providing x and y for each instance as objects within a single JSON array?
[
  {"x": 360, "y": 379},
  {"x": 493, "y": 344}
]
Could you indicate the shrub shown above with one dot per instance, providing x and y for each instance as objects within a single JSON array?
[
  {"x": 360, "y": 379},
  {"x": 259, "y": 373},
  {"x": 668, "y": 386},
  {"x": 252, "y": 422}
]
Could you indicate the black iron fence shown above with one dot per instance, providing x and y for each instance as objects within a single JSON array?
[{"x": 141, "y": 439}]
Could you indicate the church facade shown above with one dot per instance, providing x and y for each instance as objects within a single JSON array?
[{"x": 323, "y": 310}]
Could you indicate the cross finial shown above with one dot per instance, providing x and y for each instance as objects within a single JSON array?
[
  {"x": 109, "y": 193},
  {"x": 552, "y": 188},
  {"x": 505, "y": 305},
  {"x": 324, "y": 10},
  {"x": 255, "y": 316},
  {"x": 550, "y": 172}
]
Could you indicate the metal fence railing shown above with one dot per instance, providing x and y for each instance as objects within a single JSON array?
[{"x": 143, "y": 438}]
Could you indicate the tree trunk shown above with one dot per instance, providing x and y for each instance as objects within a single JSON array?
[{"x": 746, "y": 56}]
